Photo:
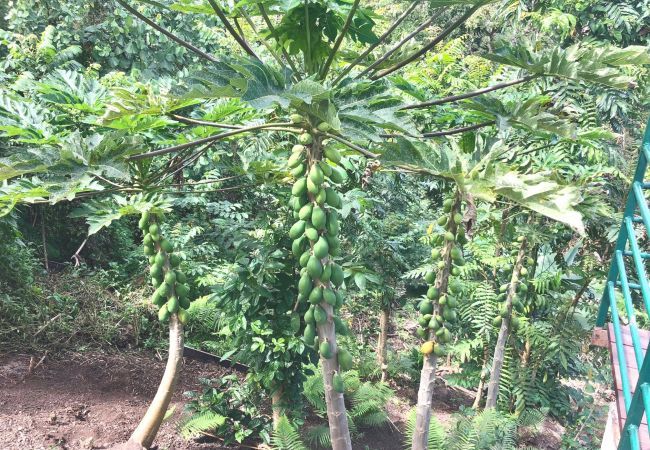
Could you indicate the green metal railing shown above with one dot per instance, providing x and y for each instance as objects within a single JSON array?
[{"x": 622, "y": 280}]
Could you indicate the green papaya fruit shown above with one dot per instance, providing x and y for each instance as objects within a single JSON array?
[
  {"x": 321, "y": 248},
  {"x": 296, "y": 118},
  {"x": 163, "y": 290},
  {"x": 309, "y": 334},
  {"x": 155, "y": 282},
  {"x": 305, "y": 211},
  {"x": 329, "y": 296},
  {"x": 182, "y": 290},
  {"x": 147, "y": 240},
  {"x": 452, "y": 302},
  {"x": 426, "y": 307},
  {"x": 337, "y": 383},
  {"x": 297, "y": 246},
  {"x": 447, "y": 204},
  {"x": 309, "y": 315},
  {"x": 296, "y": 159},
  {"x": 337, "y": 275},
  {"x": 338, "y": 175},
  {"x": 152, "y": 260},
  {"x": 340, "y": 298},
  {"x": 458, "y": 218},
  {"x": 298, "y": 148},
  {"x": 314, "y": 267},
  {"x": 421, "y": 332},
  {"x": 332, "y": 198},
  {"x": 180, "y": 277},
  {"x": 449, "y": 314},
  {"x": 432, "y": 293},
  {"x": 312, "y": 234},
  {"x": 172, "y": 304},
  {"x": 435, "y": 254},
  {"x": 325, "y": 350},
  {"x": 439, "y": 350},
  {"x": 316, "y": 175},
  {"x": 456, "y": 253},
  {"x": 305, "y": 285},
  {"x": 183, "y": 303},
  {"x": 497, "y": 321},
  {"x": 345, "y": 359},
  {"x": 320, "y": 316},
  {"x": 442, "y": 221},
  {"x": 157, "y": 299},
  {"x": 341, "y": 327},
  {"x": 318, "y": 218},
  {"x": 424, "y": 320},
  {"x": 523, "y": 271},
  {"x": 449, "y": 236},
  {"x": 430, "y": 277},
  {"x": 316, "y": 295},
  {"x": 332, "y": 154},
  {"x": 332, "y": 223},
  {"x": 326, "y": 168},
  {"x": 298, "y": 171},
  {"x": 153, "y": 229},
  {"x": 167, "y": 246},
  {"x": 305, "y": 139},
  {"x": 174, "y": 260},
  {"x": 156, "y": 271},
  {"x": 299, "y": 187},
  {"x": 297, "y": 229},
  {"x": 321, "y": 197},
  {"x": 327, "y": 273},
  {"x": 433, "y": 324},
  {"x": 163, "y": 313},
  {"x": 312, "y": 187},
  {"x": 304, "y": 259},
  {"x": 443, "y": 300},
  {"x": 455, "y": 271},
  {"x": 170, "y": 277},
  {"x": 324, "y": 127},
  {"x": 149, "y": 250}
]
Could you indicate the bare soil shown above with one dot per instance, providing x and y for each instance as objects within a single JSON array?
[{"x": 94, "y": 400}]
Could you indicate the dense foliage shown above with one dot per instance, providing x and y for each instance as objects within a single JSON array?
[{"x": 312, "y": 177}]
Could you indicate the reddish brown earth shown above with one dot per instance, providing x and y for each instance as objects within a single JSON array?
[
  {"x": 87, "y": 401},
  {"x": 94, "y": 400}
]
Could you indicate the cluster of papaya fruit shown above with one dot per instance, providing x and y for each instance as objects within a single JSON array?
[
  {"x": 314, "y": 201},
  {"x": 438, "y": 309},
  {"x": 519, "y": 306},
  {"x": 171, "y": 293}
]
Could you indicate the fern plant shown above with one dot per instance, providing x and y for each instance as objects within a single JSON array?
[{"x": 286, "y": 436}]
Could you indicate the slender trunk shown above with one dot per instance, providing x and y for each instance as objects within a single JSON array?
[
  {"x": 382, "y": 345},
  {"x": 147, "y": 429},
  {"x": 277, "y": 405},
  {"x": 428, "y": 373},
  {"x": 499, "y": 350},
  {"x": 44, "y": 239},
  {"x": 336, "y": 414},
  {"x": 481, "y": 383}
]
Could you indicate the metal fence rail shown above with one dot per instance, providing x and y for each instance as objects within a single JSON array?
[{"x": 627, "y": 274}]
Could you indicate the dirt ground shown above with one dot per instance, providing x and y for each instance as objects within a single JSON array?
[{"x": 94, "y": 400}]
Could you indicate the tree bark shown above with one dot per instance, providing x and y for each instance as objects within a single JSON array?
[
  {"x": 147, "y": 429},
  {"x": 481, "y": 383},
  {"x": 382, "y": 345},
  {"x": 428, "y": 373},
  {"x": 277, "y": 405},
  {"x": 504, "y": 331},
  {"x": 336, "y": 414}
]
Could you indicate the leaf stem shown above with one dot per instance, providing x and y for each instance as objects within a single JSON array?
[
  {"x": 167, "y": 33},
  {"x": 446, "y": 32},
  {"x": 226, "y": 23},
  {"x": 381, "y": 39},
  {"x": 216, "y": 137},
  {"x": 353, "y": 146},
  {"x": 273, "y": 31},
  {"x": 339, "y": 40},
  {"x": 455, "y": 98}
]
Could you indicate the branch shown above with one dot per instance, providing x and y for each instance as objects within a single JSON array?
[
  {"x": 266, "y": 44},
  {"x": 169, "y": 34},
  {"x": 361, "y": 150},
  {"x": 226, "y": 23},
  {"x": 446, "y": 32},
  {"x": 455, "y": 98},
  {"x": 216, "y": 137},
  {"x": 444, "y": 132},
  {"x": 397, "y": 46},
  {"x": 271, "y": 28},
  {"x": 458, "y": 130},
  {"x": 190, "y": 121},
  {"x": 339, "y": 40},
  {"x": 381, "y": 39}
]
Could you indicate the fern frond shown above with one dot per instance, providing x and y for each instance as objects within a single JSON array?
[
  {"x": 286, "y": 437},
  {"x": 198, "y": 423}
]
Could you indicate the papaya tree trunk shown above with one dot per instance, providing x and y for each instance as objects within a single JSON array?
[
  {"x": 382, "y": 344},
  {"x": 428, "y": 373},
  {"x": 147, "y": 429},
  {"x": 277, "y": 405},
  {"x": 504, "y": 332},
  {"x": 481, "y": 383},
  {"x": 336, "y": 413}
]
